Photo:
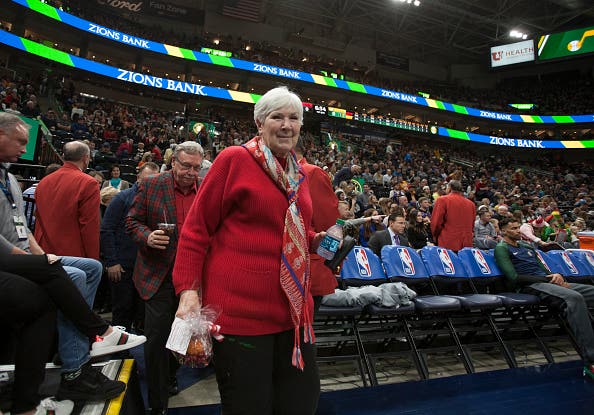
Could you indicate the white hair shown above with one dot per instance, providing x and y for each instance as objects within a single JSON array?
[{"x": 276, "y": 99}]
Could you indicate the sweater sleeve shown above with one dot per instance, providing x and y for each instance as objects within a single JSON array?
[
  {"x": 526, "y": 232},
  {"x": 514, "y": 279}
]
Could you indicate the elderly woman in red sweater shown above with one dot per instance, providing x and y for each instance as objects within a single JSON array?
[{"x": 244, "y": 249}]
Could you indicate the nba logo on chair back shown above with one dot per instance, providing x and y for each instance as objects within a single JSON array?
[
  {"x": 362, "y": 262},
  {"x": 407, "y": 263},
  {"x": 446, "y": 261},
  {"x": 569, "y": 263},
  {"x": 590, "y": 258},
  {"x": 542, "y": 261},
  {"x": 481, "y": 261}
]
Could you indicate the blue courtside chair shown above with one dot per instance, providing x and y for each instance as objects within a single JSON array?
[
  {"x": 520, "y": 307},
  {"x": 573, "y": 266},
  {"x": 447, "y": 271},
  {"x": 337, "y": 326},
  {"x": 403, "y": 264}
]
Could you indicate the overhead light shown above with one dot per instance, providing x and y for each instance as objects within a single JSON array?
[
  {"x": 517, "y": 34},
  {"x": 417, "y": 3}
]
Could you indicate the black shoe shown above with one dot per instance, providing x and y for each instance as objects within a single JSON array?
[
  {"x": 158, "y": 411},
  {"x": 89, "y": 385},
  {"x": 173, "y": 388},
  {"x": 57, "y": 360}
]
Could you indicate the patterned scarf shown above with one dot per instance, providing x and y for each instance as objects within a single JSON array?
[{"x": 294, "y": 268}]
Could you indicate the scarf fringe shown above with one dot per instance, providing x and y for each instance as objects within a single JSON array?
[
  {"x": 308, "y": 332},
  {"x": 297, "y": 360}
]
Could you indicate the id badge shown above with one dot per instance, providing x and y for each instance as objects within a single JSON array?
[{"x": 21, "y": 229}]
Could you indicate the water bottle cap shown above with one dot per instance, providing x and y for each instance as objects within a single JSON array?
[{"x": 340, "y": 222}]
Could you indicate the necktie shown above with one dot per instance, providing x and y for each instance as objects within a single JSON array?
[{"x": 396, "y": 240}]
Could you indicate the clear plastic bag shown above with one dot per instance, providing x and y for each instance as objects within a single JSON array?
[{"x": 202, "y": 327}]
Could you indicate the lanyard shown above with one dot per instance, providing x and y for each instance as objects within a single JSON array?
[{"x": 6, "y": 190}]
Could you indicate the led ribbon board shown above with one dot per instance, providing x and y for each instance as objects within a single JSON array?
[
  {"x": 123, "y": 74},
  {"x": 178, "y": 52},
  {"x": 185, "y": 87}
]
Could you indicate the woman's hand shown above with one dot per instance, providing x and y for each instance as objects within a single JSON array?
[
  {"x": 315, "y": 243},
  {"x": 51, "y": 258},
  {"x": 188, "y": 301}
]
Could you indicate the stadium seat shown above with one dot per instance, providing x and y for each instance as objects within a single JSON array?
[
  {"x": 129, "y": 177},
  {"x": 522, "y": 316},
  {"x": 127, "y": 168},
  {"x": 571, "y": 266},
  {"x": 381, "y": 326},
  {"x": 449, "y": 275},
  {"x": 585, "y": 259},
  {"x": 433, "y": 311},
  {"x": 337, "y": 327}
]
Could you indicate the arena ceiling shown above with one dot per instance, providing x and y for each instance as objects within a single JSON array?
[{"x": 436, "y": 31}]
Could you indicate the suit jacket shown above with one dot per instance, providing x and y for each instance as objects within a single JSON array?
[
  {"x": 116, "y": 245},
  {"x": 452, "y": 221},
  {"x": 325, "y": 213},
  {"x": 381, "y": 238},
  {"x": 67, "y": 217},
  {"x": 154, "y": 202}
]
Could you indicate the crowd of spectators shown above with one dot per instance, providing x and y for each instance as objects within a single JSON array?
[{"x": 398, "y": 174}]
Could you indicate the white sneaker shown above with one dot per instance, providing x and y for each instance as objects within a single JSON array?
[
  {"x": 49, "y": 406},
  {"x": 117, "y": 341}
]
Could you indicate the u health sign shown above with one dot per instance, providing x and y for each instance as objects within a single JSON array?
[{"x": 512, "y": 53}]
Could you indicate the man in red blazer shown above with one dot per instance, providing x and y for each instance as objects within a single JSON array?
[
  {"x": 164, "y": 198},
  {"x": 325, "y": 213},
  {"x": 452, "y": 221},
  {"x": 67, "y": 201}
]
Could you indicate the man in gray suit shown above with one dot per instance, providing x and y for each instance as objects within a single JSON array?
[{"x": 394, "y": 235}]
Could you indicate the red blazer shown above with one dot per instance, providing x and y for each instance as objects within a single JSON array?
[
  {"x": 154, "y": 197},
  {"x": 325, "y": 204},
  {"x": 452, "y": 221},
  {"x": 67, "y": 217}
]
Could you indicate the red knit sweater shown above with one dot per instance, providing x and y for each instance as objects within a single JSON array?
[{"x": 231, "y": 243}]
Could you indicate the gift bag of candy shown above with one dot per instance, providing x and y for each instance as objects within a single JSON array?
[{"x": 190, "y": 339}]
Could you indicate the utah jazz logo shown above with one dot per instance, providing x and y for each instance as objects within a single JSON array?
[
  {"x": 407, "y": 263},
  {"x": 362, "y": 262},
  {"x": 446, "y": 261},
  {"x": 576, "y": 45},
  {"x": 481, "y": 261}
]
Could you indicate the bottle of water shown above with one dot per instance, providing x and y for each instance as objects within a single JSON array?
[{"x": 331, "y": 241}]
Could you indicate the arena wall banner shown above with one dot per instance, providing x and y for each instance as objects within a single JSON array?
[
  {"x": 566, "y": 44},
  {"x": 149, "y": 8},
  {"x": 188, "y": 54},
  {"x": 124, "y": 75},
  {"x": 511, "y": 53}
]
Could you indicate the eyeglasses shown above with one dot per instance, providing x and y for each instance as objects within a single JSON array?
[{"x": 187, "y": 167}]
